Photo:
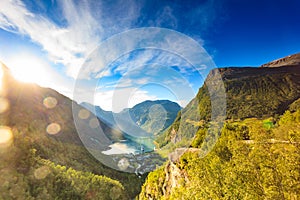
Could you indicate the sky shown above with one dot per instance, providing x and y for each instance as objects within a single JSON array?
[{"x": 117, "y": 53}]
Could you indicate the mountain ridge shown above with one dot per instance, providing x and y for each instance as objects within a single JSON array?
[
  {"x": 249, "y": 91},
  {"x": 256, "y": 152},
  {"x": 148, "y": 115},
  {"x": 290, "y": 60}
]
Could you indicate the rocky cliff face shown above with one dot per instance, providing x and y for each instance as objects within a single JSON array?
[
  {"x": 170, "y": 178},
  {"x": 174, "y": 178}
]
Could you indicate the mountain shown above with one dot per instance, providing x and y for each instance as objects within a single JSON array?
[
  {"x": 255, "y": 154},
  {"x": 252, "y": 159},
  {"x": 154, "y": 116},
  {"x": 250, "y": 92},
  {"x": 42, "y": 152},
  {"x": 292, "y": 60},
  {"x": 150, "y": 116},
  {"x": 108, "y": 125},
  {"x": 105, "y": 116}
]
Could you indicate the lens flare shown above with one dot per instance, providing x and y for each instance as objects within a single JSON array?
[
  {"x": 4, "y": 105},
  {"x": 83, "y": 114},
  {"x": 120, "y": 83},
  {"x": 53, "y": 128},
  {"x": 41, "y": 172},
  {"x": 6, "y": 137},
  {"x": 94, "y": 123},
  {"x": 50, "y": 102}
]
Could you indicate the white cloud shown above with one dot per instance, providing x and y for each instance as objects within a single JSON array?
[
  {"x": 62, "y": 44},
  {"x": 182, "y": 102},
  {"x": 71, "y": 44},
  {"x": 68, "y": 45},
  {"x": 118, "y": 99},
  {"x": 104, "y": 99},
  {"x": 137, "y": 48},
  {"x": 124, "y": 83},
  {"x": 166, "y": 18},
  {"x": 139, "y": 96},
  {"x": 86, "y": 25}
]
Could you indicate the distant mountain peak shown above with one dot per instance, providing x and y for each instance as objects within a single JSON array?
[
  {"x": 290, "y": 60},
  {"x": 147, "y": 115}
]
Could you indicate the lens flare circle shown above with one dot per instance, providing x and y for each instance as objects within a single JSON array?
[
  {"x": 4, "y": 105},
  {"x": 50, "y": 102},
  {"x": 6, "y": 137},
  {"x": 83, "y": 114},
  {"x": 98, "y": 66},
  {"x": 53, "y": 129}
]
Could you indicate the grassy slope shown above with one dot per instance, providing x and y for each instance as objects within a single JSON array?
[{"x": 28, "y": 119}]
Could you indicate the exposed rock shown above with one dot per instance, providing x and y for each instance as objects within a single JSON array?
[{"x": 174, "y": 178}]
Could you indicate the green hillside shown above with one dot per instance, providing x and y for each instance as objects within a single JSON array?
[
  {"x": 37, "y": 132},
  {"x": 256, "y": 154},
  {"x": 250, "y": 92},
  {"x": 154, "y": 116},
  {"x": 151, "y": 116},
  {"x": 253, "y": 159}
]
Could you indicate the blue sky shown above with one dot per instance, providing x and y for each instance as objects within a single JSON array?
[{"x": 50, "y": 42}]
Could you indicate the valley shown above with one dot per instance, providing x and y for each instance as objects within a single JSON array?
[
  {"x": 261, "y": 136},
  {"x": 149, "y": 100}
]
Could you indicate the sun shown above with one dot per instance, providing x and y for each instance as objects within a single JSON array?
[{"x": 29, "y": 69}]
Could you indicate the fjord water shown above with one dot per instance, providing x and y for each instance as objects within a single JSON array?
[{"x": 131, "y": 145}]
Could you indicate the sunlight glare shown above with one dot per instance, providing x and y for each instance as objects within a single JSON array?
[
  {"x": 29, "y": 69},
  {"x": 1, "y": 75},
  {"x": 1, "y": 79},
  {"x": 6, "y": 137},
  {"x": 4, "y": 105}
]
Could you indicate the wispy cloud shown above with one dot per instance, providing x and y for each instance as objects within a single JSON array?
[
  {"x": 171, "y": 65},
  {"x": 86, "y": 25},
  {"x": 151, "y": 82},
  {"x": 71, "y": 43},
  {"x": 140, "y": 57},
  {"x": 192, "y": 18},
  {"x": 140, "y": 47},
  {"x": 166, "y": 18}
]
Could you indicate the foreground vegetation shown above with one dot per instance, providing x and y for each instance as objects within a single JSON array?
[
  {"x": 253, "y": 159},
  {"x": 44, "y": 168},
  {"x": 39, "y": 164}
]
